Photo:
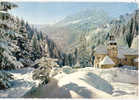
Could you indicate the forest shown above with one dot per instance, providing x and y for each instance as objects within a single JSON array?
[{"x": 61, "y": 57}]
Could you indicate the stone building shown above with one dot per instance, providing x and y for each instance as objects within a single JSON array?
[{"x": 113, "y": 55}]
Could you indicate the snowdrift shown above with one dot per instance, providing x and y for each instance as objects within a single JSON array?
[
  {"x": 22, "y": 84},
  {"x": 90, "y": 83},
  {"x": 76, "y": 83}
]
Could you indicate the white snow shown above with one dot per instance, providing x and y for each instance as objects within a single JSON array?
[
  {"x": 21, "y": 85},
  {"x": 106, "y": 60},
  {"x": 127, "y": 51},
  {"x": 136, "y": 60},
  {"x": 76, "y": 83},
  {"x": 119, "y": 75},
  {"x": 4, "y": 12},
  {"x": 72, "y": 22},
  {"x": 122, "y": 51},
  {"x": 92, "y": 83}
]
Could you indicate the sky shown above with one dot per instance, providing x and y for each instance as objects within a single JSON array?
[
  {"x": 52, "y": 12},
  {"x": 76, "y": 0}
]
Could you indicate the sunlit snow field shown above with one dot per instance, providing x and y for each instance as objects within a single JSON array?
[{"x": 76, "y": 83}]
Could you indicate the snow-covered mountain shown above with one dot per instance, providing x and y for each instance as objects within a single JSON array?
[
  {"x": 88, "y": 18},
  {"x": 68, "y": 30}
]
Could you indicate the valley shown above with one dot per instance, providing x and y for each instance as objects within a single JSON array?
[{"x": 89, "y": 53}]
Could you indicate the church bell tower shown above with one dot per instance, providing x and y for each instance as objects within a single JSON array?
[{"x": 112, "y": 47}]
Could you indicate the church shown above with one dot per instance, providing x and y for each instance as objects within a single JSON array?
[{"x": 113, "y": 55}]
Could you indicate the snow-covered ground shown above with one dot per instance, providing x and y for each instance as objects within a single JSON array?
[
  {"x": 77, "y": 83},
  {"x": 91, "y": 83},
  {"x": 21, "y": 85}
]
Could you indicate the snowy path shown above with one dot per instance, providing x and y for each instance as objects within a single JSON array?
[
  {"x": 69, "y": 88},
  {"x": 86, "y": 83},
  {"x": 21, "y": 85},
  {"x": 80, "y": 83}
]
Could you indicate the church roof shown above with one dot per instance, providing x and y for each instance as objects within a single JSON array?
[
  {"x": 101, "y": 50},
  {"x": 122, "y": 51},
  {"x": 107, "y": 61},
  {"x": 131, "y": 51}
]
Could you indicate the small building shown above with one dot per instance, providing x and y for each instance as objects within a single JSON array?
[
  {"x": 107, "y": 62},
  {"x": 116, "y": 55}
]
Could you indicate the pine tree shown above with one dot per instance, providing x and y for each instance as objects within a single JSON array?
[
  {"x": 84, "y": 53},
  {"x": 7, "y": 34},
  {"x": 7, "y": 61},
  {"x": 44, "y": 71},
  {"x": 5, "y": 79}
]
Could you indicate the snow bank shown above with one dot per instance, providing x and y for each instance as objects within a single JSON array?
[
  {"x": 119, "y": 75},
  {"x": 21, "y": 85},
  {"x": 79, "y": 83},
  {"x": 121, "y": 81},
  {"x": 125, "y": 74},
  {"x": 85, "y": 84},
  {"x": 121, "y": 89},
  {"x": 74, "y": 85}
]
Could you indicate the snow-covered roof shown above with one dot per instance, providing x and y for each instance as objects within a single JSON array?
[
  {"x": 131, "y": 51},
  {"x": 107, "y": 60},
  {"x": 127, "y": 51},
  {"x": 122, "y": 51},
  {"x": 101, "y": 50}
]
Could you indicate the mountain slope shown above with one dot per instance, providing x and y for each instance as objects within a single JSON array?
[
  {"x": 67, "y": 31},
  {"x": 126, "y": 29},
  {"x": 84, "y": 20},
  {"x": 21, "y": 44}
]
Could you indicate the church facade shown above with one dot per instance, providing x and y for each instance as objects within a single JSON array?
[{"x": 113, "y": 55}]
